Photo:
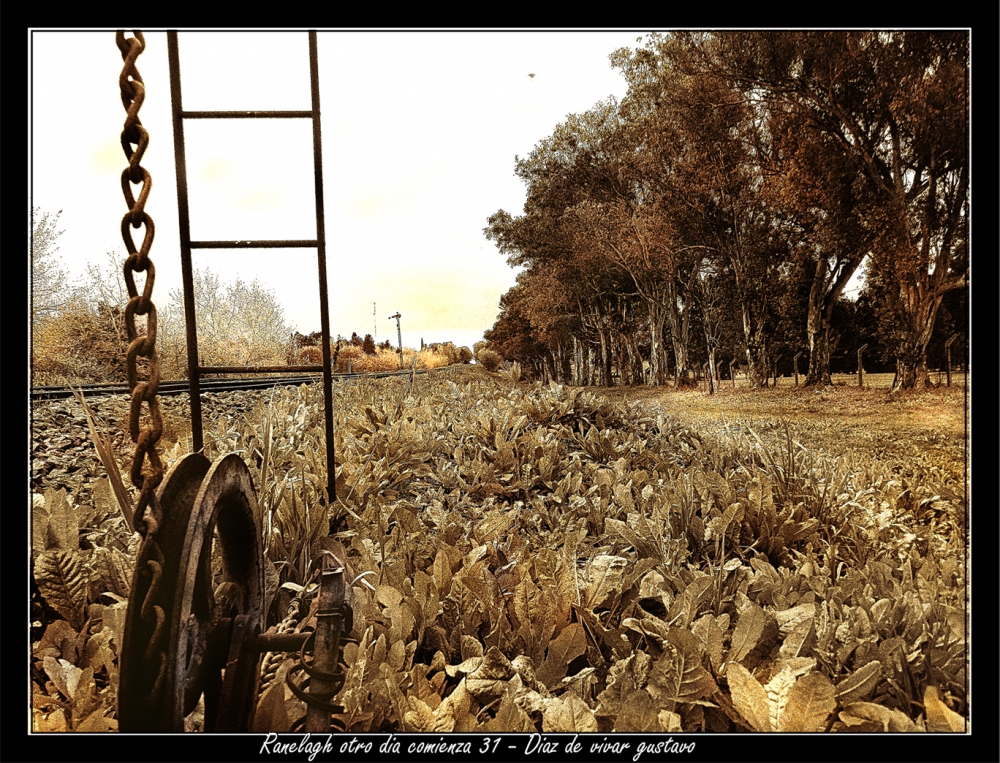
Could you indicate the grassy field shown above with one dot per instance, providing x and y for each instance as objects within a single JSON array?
[
  {"x": 837, "y": 419},
  {"x": 533, "y": 558}
]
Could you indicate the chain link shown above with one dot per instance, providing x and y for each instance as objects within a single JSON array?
[
  {"x": 148, "y": 513},
  {"x": 134, "y": 140}
]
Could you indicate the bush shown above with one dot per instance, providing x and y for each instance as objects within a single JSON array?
[
  {"x": 488, "y": 359},
  {"x": 464, "y": 354},
  {"x": 349, "y": 353},
  {"x": 310, "y": 356},
  {"x": 82, "y": 344}
]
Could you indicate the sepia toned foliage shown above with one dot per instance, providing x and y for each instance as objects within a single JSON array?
[
  {"x": 779, "y": 161},
  {"x": 531, "y": 557}
]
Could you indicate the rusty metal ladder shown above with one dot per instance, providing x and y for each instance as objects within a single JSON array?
[
  {"x": 195, "y": 369},
  {"x": 199, "y": 645}
]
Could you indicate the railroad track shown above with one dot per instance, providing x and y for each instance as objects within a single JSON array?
[{"x": 207, "y": 385}]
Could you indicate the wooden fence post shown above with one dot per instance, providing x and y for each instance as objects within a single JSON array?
[
  {"x": 947, "y": 350},
  {"x": 795, "y": 365},
  {"x": 732, "y": 376},
  {"x": 861, "y": 370}
]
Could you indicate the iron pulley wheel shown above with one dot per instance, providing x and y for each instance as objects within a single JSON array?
[{"x": 197, "y": 603}]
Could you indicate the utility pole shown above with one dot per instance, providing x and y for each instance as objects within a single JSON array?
[{"x": 399, "y": 338}]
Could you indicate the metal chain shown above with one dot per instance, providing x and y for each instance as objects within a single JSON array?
[
  {"x": 148, "y": 514},
  {"x": 272, "y": 660},
  {"x": 133, "y": 94}
]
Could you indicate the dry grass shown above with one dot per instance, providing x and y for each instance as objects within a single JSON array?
[
  {"x": 508, "y": 526},
  {"x": 833, "y": 419}
]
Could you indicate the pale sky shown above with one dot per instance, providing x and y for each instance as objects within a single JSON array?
[{"x": 420, "y": 131}]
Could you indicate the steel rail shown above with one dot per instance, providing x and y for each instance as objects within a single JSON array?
[{"x": 177, "y": 387}]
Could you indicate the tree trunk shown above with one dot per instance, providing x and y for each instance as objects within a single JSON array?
[
  {"x": 753, "y": 333},
  {"x": 605, "y": 367},
  {"x": 911, "y": 361},
  {"x": 819, "y": 357},
  {"x": 911, "y": 367},
  {"x": 825, "y": 291}
]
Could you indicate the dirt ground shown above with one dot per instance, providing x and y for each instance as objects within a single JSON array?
[{"x": 833, "y": 419}]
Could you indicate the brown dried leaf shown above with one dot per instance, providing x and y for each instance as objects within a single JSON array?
[
  {"x": 651, "y": 586},
  {"x": 420, "y": 717},
  {"x": 707, "y": 629},
  {"x": 100, "y": 719},
  {"x": 637, "y": 713},
  {"x": 64, "y": 675},
  {"x": 454, "y": 709},
  {"x": 114, "y": 620},
  {"x": 678, "y": 675},
  {"x": 790, "y": 619},
  {"x": 388, "y": 596},
  {"x": 396, "y": 658},
  {"x": 940, "y": 717},
  {"x": 889, "y": 719},
  {"x": 749, "y": 697},
  {"x": 489, "y": 680},
  {"x": 670, "y": 722},
  {"x": 64, "y": 531},
  {"x": 643, "y": 547},
  {"x": 624, "y": 677},
  {"x": 568, "y": 645},
  {"x": 471, "y": 647},
  {"x": 800, "y": 640},
  {"x": 569, "y": 714},
  {"x": 403, "y": 621},
  {"x": 526, "y": 669},
  {"x": 808, "y": 705},
  {"x": 84, "y": 696},
  {"x": 510, "y": 717},
  {"x": 860, "y": 684},
  {"x": 442, "y": 571},
  {"x": 485, "y": 591},
  {"x": 62, "y": 580},
  {"x": 396, "y": 697},
  {"x": 747, "y": 633},
  {"x": 470, "y": 665},
  {"x": 494, "y": 526},
  {"x": 51, "y": 721},
  {"x": 605, "y": 573},
  {"x": 39, "y": 525},
  {"x": 685, "y": 607},
  {"x": 59, "y": 640},
  {"x": 652, "y": 627}
]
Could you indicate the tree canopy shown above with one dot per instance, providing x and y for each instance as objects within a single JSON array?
[{"x": 721, "y": 208}]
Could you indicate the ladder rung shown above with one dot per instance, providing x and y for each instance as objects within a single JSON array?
[
  {"x": 246, "y": 115},
  {"x": 263, "y": 244}
]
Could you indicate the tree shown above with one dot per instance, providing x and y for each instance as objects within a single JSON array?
[
  {"x": 368, "y": 345},
  {"x": 706, "y": 150},
  {"x": 49, "y": 289},
  {"x": 895, "y": 106},
  {"x": 86, "y": 340},
  {"x": 238, "y": 324}
]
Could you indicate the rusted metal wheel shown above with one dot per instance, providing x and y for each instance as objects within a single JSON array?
[{"x": 191, "y": 633}]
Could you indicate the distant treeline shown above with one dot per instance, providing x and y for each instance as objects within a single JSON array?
[{"x": 719, "y": 211}]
